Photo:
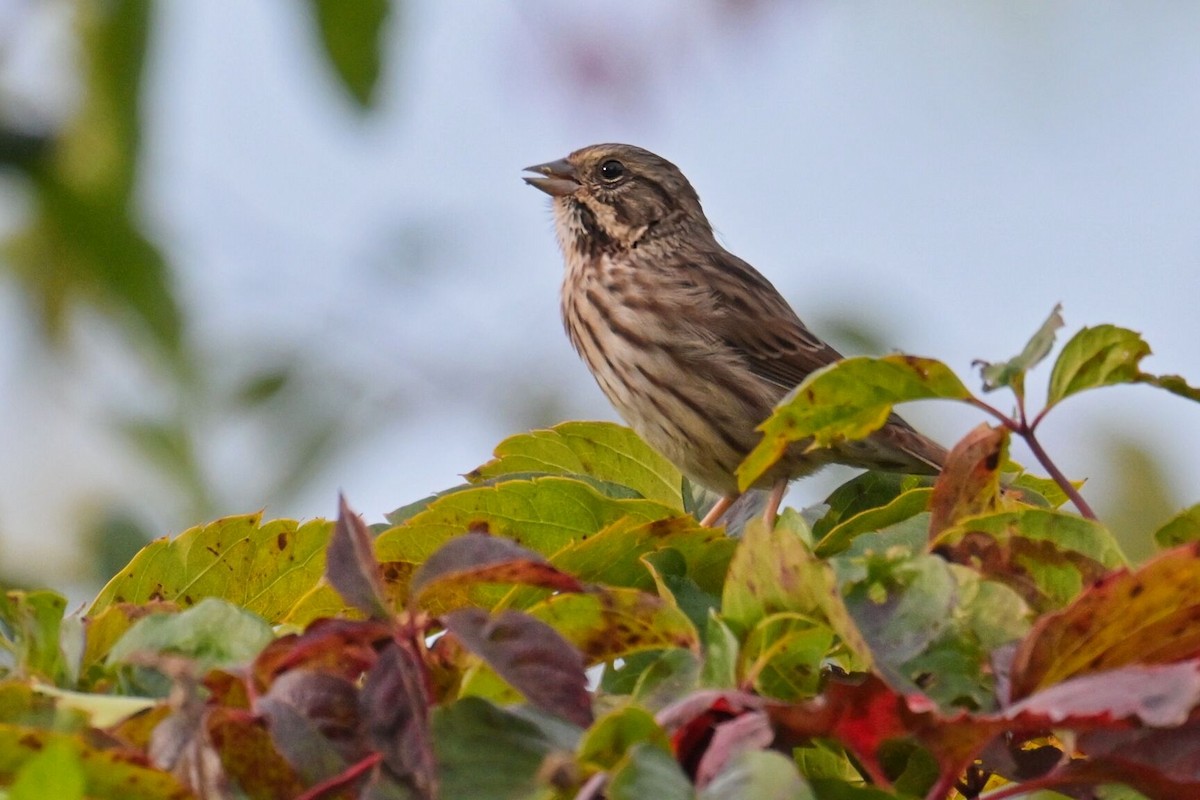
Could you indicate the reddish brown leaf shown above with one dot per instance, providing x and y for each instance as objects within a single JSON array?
[
  {"x": 248, "y": 755},
  {"x": 969, "y": 484},
  {"x": 351, "y": 567},
  {"x": 314, "y": 721},
  {"x": 394, "y": 706},
  {"x": 750, "y": 731},
  {"x": 481, "y": 558},
  {"x": 533, "y": 657},
  {"x": 346, "y": 648},
  {"x": 1157, "y": 695},
  {"x": 1151, "y": 616}
]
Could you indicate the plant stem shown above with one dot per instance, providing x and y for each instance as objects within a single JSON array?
[
  {"x": 350, "y": 774},
  {"x": 1084, "y": 509}
]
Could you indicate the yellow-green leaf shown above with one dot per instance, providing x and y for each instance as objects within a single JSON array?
[
  {"x": 262, "y": 567},
  {"x": 847, "y": 400},
  {"x": 605, "y": 451}
]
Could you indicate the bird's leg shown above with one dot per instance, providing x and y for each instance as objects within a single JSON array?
[
  {"x": 773, "y": 502},
  {"x": 719, "y": 508}
]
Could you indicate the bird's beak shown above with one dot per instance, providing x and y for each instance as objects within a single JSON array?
[{"x": 556, "y": 178}]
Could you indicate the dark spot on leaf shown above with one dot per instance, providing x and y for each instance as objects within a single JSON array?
[
  {"x": 1136, "y": 589},
  {"x": 992, "y": 461},
  {"x": 281, "y": 541},
  {"x": 478, "y": 526},
  {"x": 31, "y": 742},
  {"x": 213, "y": 550}
]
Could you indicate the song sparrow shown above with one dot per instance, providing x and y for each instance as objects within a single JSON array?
[{"x": 690, "y": 343}]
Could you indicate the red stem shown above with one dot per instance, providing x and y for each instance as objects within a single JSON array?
[{"x": 348, "y": 775}]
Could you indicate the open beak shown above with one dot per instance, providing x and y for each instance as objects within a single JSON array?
[{"x": 555, "y": 178}]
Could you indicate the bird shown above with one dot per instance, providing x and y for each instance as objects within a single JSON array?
[{"x": 692, "y": 345}]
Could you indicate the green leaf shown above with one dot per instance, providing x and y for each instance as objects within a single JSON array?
[
  {"x": 614, "y": 734},
  {"x": 109, "y": 774},
  {"x": 262, "y": 567},
  {"x": 1099, "y": 356},
  {"x": 605, "y": 624},
  {"x": 605, "y": 451},
  {"x": 763, "y": 775},
  {"x": 902, "y": 507},
  {"x": 53, "y": 773},
  {"x": 783, "y": 655},
  {"x": 772, "y": 572},
  {"x": 648, "y": 772},
  {"x": 485, "y": 752},
  {"x": 1048, "y": 556},
  {"x": 864, "y": 492},
  {"x": 543, "y": 514},
  {"x": 1183, "y": 527},
  {"x": 352, "y": 35},
  {"x": 615, "y": 556},
  {"x": 1012, "y": 372},
  {"x": 721, "y": 655},
  {"x": 30, "y": 625},
  {"x": 847, "y": 400},
  {"x": 214, "y": 633}
]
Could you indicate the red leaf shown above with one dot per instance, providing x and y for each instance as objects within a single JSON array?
[
  {"x": 341, "y": 647},
  {"x": 481, "y": 558},
  {"x": 351, "y": 567},
  {"x": 395, "y": 708},
  {"x": 970, "y": 482},
  {"x": 533, "y": 657},
  {"x": 1148, "y": 616}
]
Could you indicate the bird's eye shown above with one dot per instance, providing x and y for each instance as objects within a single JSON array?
[{"x": 612, "y": 170}]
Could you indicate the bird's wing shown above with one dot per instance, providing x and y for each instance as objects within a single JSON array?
[
  {"x": 763, "y": 330},
  {"x": 754, "y": 321}
]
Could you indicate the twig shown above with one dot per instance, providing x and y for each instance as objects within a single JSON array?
[{"x": 346, "y": 776}]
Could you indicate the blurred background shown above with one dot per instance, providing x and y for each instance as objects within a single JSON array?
[{"x": 254, "y": 254}]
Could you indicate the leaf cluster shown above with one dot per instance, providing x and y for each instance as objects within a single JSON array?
[{"x": 560, "y": 626}]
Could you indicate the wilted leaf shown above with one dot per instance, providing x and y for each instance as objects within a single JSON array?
[
  {"x": 1012, "y": 372},
  {"x": 260, "y": 567},
  {"x": 531, "y": 656},
  {"x": 1183, "y": 527},
  {"x": 969, "y": 484},
  {"x": 483, "y": 751},
  {"x": 1148, "y": 616},
  {"x": 351, "y": 566},
  {"x": 352, "y": 35},
  {"x": 602, "y": 450},
  {"x": 847, "y": 400}
]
